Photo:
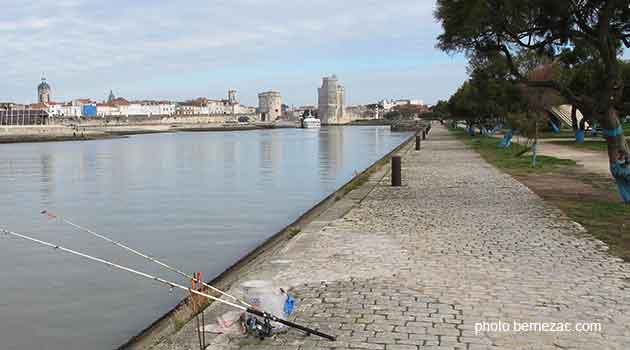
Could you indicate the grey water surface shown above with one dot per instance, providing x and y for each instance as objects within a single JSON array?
[{"x": 199, "y": 201}]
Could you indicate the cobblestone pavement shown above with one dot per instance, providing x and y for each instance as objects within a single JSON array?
[{"x": 419, "y": 266}]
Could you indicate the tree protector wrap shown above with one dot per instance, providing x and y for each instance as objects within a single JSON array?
[
  {"x": 507, "y": 139},
  {"x": 579, "y": 136},
  {"x": 621, "y": 172}
]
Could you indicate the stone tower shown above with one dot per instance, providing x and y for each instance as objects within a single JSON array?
[
  {"x": 43, "y": 91},
  {"x": 270, "y": 105},
  {"x": 331, "y": 101},
  {"x": 232, "y": 97},
  {"x": 111, "y": 97}
]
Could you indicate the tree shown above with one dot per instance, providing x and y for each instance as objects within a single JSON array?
[
  {"x": 409, "y": 111},
  {"x": 582, "y": 37},
  {"x": 392, "y": 115},
  {"x": 488, "y": 96}
]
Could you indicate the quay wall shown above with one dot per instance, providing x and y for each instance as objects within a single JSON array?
[
  {"x": 38, "y": 133},
  {"x": 183, "y": 312},
  {"x": 86, "y": 129}
]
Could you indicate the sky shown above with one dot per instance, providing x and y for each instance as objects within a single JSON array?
[{"x": 179, "y": 50}]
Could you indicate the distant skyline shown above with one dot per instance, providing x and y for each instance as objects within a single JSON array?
[{"x": 166, "y": 50}]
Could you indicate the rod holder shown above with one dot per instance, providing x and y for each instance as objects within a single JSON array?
[{"x": 396, "y": 171}]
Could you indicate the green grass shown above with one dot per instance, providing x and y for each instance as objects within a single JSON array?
[
  {"x": 563, "y": 134},
  {"x": 511, "y": 159},
  {"x": 598, "y": 145},
  {"x": 294, "y": 231},
  {"x": 608, "y": 221},
  {"x": 363, "y": 178}
]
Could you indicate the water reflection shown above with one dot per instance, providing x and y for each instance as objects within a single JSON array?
[{"x": 46, "y": 177}]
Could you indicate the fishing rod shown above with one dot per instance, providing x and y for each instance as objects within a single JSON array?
[
  {"x": 145, "y": 256},
  {"x": 251, "y": 310}
]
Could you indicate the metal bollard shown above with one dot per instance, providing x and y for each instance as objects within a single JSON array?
[
  {"x": 417, "y": 143},
  {"x": 424, "y": 135},
  {"x": 396, "y": 169}
]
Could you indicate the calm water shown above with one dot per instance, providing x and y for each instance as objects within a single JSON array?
[{"x": 196, "y": 200}]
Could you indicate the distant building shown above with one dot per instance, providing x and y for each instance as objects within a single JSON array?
[
  {"x": 295, "y": 113},
  {"x": 203, "y": 106},
  {"x": 331, "y": 101},
  {"x": 74, "y": 109},
  {"x": 389, "y": 104},
  {"x": 363, "y": 112},
  {"x": 269, "y": 105},
  {"x": 232, "y": 97},
  {"x": 120, "y": 107},
  {"x": 111, "y": 96},
  {"x": 43, "y": 91},
  {"x": 24, "y": 115},
  {"x": 10, "y": 105},
  {"x": 88, "y": 110}
]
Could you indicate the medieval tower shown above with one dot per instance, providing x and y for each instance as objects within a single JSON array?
[{"x": 331, "y": 101}]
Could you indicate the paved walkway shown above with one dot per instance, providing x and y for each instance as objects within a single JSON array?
[{"x": 420, "y": 266}]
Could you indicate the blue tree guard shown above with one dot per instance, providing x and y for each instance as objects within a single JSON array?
[
  {"x": 507, "y": 139},
  {"x": 621, "y": 172},
  {"x": 554, "y": 127},
  {"x": 579, "y": 136}
]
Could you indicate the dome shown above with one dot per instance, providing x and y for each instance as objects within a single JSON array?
[{"x": 43, "y": 85}]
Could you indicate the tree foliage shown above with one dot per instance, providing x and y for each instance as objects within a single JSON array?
[{"x": 575, "y": 45}]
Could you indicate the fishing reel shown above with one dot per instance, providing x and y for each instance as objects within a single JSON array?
[{"x": 260, "y": 329}]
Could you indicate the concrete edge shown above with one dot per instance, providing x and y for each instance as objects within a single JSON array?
[{"x": 172, "y": 321}]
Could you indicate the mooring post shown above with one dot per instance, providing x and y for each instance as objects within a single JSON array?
[
  {"x": 424, "y": 134},
  {"x": 417, "y": 143},
  {"x": 396, "y": 169}
]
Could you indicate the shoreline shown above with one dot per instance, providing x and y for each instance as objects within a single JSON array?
[
  {"x": 60, "y": 133},
  {"x": 182, "y": 312}
]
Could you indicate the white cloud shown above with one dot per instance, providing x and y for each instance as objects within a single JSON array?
[
  {"x": 28, "y": 24},
  {"x": 90, "y": 46}
]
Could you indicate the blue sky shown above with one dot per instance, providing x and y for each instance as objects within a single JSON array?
[
  {"x": 179, "y": 50},
  {"x": 162, "y": 49}
]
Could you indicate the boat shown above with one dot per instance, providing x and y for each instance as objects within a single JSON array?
[{"x": 310, "y": 122}]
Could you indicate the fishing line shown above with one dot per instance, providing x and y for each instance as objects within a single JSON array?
[
  {"x": 143, "y": 255},
  {"x": 170, "y": 284}
]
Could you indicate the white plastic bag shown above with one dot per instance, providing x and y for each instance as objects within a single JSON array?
[
  {"x": 264, "y": 296},
  {"x": 229, "y": 323}
]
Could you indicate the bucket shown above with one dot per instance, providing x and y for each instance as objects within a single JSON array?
[{"x": 264, "y": 296}]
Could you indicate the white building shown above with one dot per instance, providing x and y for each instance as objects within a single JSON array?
[
  {"x": 119, "y": 107},
  {"x": 205, "y": 106},
  {"x": 270, "y": 105},
  {"x": 389, "y": 104},
  {"x": 151, "y": 108},
  {"x": 331, "y": 101}
]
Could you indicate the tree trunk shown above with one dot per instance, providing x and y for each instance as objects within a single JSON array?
[
  {"x": 617, "y": 147},
  {"x": 618, "y": 152}
]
